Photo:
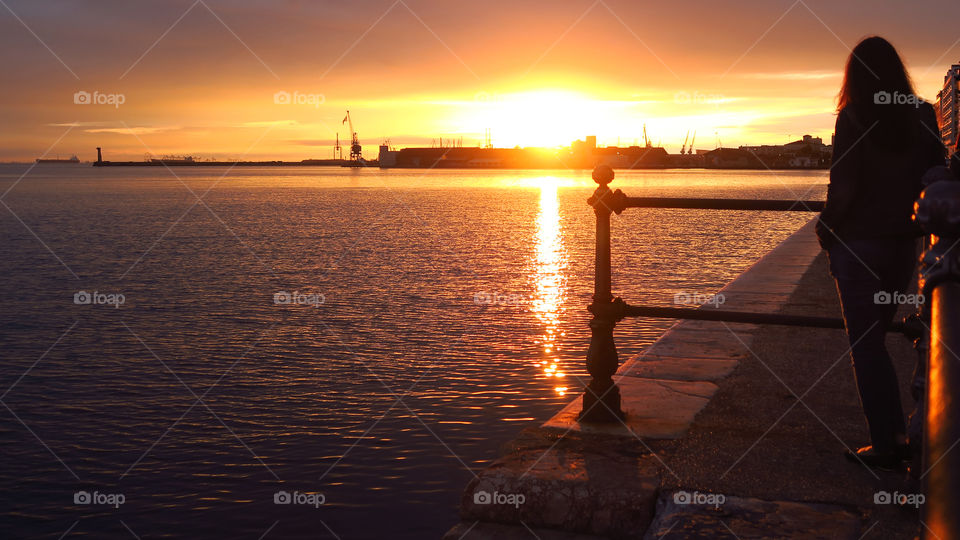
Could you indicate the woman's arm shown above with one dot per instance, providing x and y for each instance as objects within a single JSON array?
[{"x": 844, "y": 174}]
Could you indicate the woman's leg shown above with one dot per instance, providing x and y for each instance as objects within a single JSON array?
[
  {"x": 903, "y": 256},
  {"x": 862, "y": 270}
]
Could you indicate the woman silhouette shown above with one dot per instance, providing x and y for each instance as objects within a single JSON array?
[{"x": 885, "y": 139}]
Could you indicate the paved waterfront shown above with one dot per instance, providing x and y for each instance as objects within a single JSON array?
[{"x": 757, "y": 415}]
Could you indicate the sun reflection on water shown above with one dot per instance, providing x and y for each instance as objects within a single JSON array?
[{"x": 550, "y": 282}]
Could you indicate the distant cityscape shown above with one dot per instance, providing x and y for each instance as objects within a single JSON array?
[{"x": 808, "y": 152}]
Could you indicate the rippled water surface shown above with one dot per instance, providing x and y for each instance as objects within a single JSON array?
[{"x": 436, "y": 314}]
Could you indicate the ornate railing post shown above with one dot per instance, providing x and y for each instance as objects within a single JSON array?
[
  {"x": 938, "y": 212},
  {"x": 601, "y": 399}
]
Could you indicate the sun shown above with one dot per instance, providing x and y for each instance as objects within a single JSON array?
[{"x": 544, "y": 118}]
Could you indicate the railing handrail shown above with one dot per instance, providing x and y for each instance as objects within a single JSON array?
[
  {"x": 779, "y": 205},
  {"x": 601, "y": 398}
]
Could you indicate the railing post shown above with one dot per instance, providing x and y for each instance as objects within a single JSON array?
[
  {"x": 938, "y": 212},
  {"x": 601, "y": 399}
]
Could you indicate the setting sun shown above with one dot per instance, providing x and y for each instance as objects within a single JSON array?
[{"x": 544, "y": 118}]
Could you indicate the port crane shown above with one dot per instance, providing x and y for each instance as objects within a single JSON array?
[
  {"x": 690, "y": 149},
  {"x": 355, "y": 148},
  {"x": 683, "y": 149}
]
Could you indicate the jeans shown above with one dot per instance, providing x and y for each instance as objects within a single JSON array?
[{"x": 868, "y": 274}]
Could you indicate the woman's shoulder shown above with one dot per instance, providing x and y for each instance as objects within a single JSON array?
[
  {"x": 926, "y": 110},
  {"x": 847, "y": 117}
]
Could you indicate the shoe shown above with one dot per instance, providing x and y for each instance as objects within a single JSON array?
[{"x": 884, "y": 461}]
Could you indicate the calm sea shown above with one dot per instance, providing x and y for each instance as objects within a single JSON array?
[{"x": 363, "y": 339}]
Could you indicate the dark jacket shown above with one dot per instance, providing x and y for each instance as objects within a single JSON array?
[{"x": 872, "y": 189}]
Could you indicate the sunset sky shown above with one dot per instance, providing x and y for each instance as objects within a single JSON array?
[{"x": 199, "y": 77}]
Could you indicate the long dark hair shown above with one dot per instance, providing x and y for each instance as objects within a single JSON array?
[{"x": 877, "y": 89}]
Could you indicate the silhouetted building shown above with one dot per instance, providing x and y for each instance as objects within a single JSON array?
[
  {"x": 732, "y": 158},
  {"x": 632, "y": 157},
  {"x": 472, "y": 157},
  {"x": 947, "y": 106},
  {"x": 580, "y": 148},
  {"x": 806, "y": 153},
  {"x": 387, "y": 157}
]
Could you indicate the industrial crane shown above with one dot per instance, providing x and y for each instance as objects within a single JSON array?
[
  {"x": 683, "y": 149},
  {"x": 690, "y": 150},
  {"x": 354, "y": 142}
]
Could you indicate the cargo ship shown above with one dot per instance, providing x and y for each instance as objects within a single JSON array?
[{"x": 72, "y": 160}]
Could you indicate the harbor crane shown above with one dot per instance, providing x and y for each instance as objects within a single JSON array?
[
  {"x": 355, "y": 148},
  {"x": 683, "y": 149},
  {"x": 690, "y": 149}
]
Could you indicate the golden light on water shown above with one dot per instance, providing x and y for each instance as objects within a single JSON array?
[{"x": 550, "y": 280}]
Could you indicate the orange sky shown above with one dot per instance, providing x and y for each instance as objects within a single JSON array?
[{"x": 200, "y": 76}]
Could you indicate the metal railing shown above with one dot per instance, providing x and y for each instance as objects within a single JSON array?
[
  {"x": 938, "y": 212},
  {"x": 937, "y": 327},
  {"x": 601, "y": 398}
]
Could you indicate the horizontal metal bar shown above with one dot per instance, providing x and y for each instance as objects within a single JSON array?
[
  {"x": 724, "y": 204},
  {"x": 709, "y": 314}
]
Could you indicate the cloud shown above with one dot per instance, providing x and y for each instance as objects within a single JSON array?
[
  {"x": 111, "y": 127},
  {"x": 795, "y": 75},
  {"x": 77, "y": 124},
  {"x": 268, "y": 123},
  {"x": 133, "y": 130},
  {"x": 311, "y": 142}
]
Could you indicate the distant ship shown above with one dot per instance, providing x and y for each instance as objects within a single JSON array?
[{"x": 73, "y": 159}]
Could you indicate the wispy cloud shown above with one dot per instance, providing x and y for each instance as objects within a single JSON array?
[
  {"x": 268, "y": 123},
  {"x": 112, "y": 127},
  {"x": 310, "y": 142},
  {"x": 133, "y": 130},
  {"x": 78, "y": 124},
  {"x": 795, "y": 75}
]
